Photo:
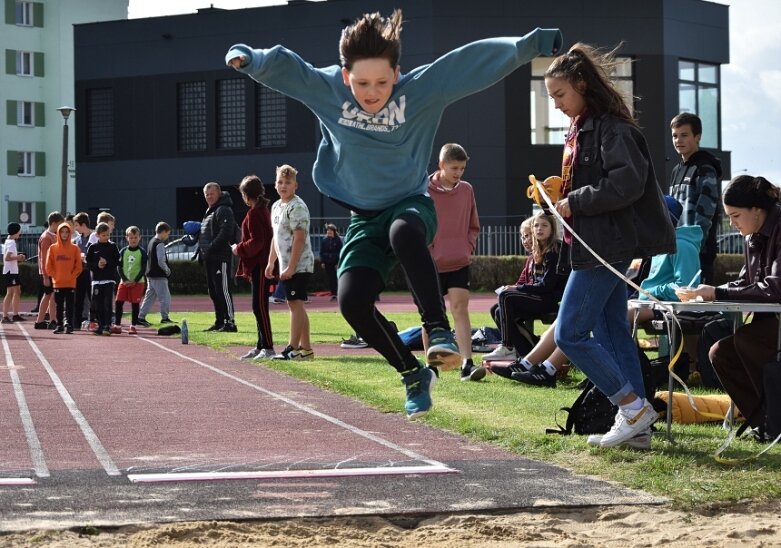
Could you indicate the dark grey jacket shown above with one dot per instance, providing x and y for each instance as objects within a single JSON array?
[
  {"x": 615, "y": 199},
  {"x": 217, "y": 231}
]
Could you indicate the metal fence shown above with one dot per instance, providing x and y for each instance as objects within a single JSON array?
[{"x": 494, "y": 239}]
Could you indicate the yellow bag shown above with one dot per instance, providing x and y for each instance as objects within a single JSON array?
[{"x": 715, "y": 405}]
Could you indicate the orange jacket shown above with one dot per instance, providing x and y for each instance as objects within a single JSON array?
[{"x": 63, "y": 262}]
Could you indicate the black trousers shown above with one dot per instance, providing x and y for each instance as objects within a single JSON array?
[
  {"x": 102, "y": 299},
  {"x": 63, "y": 299},
  {"x": 218, "y": 280},
  {"x": 260, "y": 295},
  {"x": 83, "y": 283}
]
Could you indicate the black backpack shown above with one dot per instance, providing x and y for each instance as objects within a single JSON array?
[{"x": 593, "y": 413}]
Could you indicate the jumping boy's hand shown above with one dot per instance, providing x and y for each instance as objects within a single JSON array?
[{"x": 236, "y": 62}]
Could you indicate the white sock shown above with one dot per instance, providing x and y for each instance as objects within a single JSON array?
[
  {"x": 634, "y": 405},
  {"x": 526, "y": 363},
  {"x": 549, "y": 367}
]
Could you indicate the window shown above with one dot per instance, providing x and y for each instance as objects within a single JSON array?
[
  {"x": 191, "y": 116},
  {"x": 271, "y": 118},
  {"x": 548, "y": 125},
  {"x": 100, "y": 122},
  {"x": 24, "y": 14},
  {"x": 698, "y": 93},
  {"x": 25, "y": 166},
  {"x": 231, "y": 113},
  {"x": 25, "y": 113},
  {"x": 24, "y": 63}
]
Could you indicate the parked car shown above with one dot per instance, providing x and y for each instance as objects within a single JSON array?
[
  {"x": 732, "y": 242},
  {"x": 179, "y": 251}
]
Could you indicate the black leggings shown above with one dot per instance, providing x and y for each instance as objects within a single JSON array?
[
  {"x": 360, "y": 286},
  {"x": 513, "y": 309},
  {"x": 260, "y": 295}
]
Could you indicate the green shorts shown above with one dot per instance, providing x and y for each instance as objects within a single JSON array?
[{"x": 367, "y": 242}]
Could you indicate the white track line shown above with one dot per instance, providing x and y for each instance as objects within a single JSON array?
[
  {"x": 17, "y": 481},
  {"x": 291, "y": 474},
  {"x": 36, "y": 453},
  {"x": 97, "y": 447},
  {"x": 355, "y": 430}
]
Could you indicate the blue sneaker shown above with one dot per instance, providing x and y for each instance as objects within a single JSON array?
[
  {"x": 443, "y": 350},
  {"x": 419, "y": 385}
]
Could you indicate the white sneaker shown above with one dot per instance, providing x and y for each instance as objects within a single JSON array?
[
  {"x": 250, "y": 355},
  {"x": 641, "y": 440},
  {"x": 265, "y": 354},
  {"x": 501, "y": 353},
  {"x": 628, "y": 424}
]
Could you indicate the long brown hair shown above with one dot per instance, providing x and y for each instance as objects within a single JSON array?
[
  {"x": 252, "y": 187},
  {"x": 588, "y": 69},
  {"x": 540, "y": 249}
]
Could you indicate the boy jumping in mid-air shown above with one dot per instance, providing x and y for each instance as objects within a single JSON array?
[{"x": 378, "y": 128}]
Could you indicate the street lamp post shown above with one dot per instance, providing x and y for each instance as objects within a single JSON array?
[{"x": 66, "y": 112}]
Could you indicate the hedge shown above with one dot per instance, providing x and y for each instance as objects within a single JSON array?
[{"x": 487, "y": 273}]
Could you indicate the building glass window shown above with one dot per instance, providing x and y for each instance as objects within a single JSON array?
[
  {"x": 271, "y": 118},
  {"x": 100, "y": 122},
  {"x": 25, "y": 113},
  {"x": 24, "y": 63},
  {"x": 548, "y": 125},
  {"x": 698, "y": 93},
  {"x": 231, "y": 113},
  {"x": 24, "y": 14},
  {"x": 191, "y": 116},
  {"x": 26, "y": 164}
]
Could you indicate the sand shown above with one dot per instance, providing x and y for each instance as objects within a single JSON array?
[{"x": 750, "y": 524}]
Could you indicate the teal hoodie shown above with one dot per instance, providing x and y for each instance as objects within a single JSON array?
[
  {"x": 678, "y": 268},
  {"x": 373, "y": 161}
]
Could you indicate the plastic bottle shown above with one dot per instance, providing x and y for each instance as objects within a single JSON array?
[{"x": 185, "y": 334}]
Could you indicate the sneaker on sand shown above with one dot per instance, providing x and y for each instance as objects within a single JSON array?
[
  {"x": 501, "y": 352},
  {"x": 304, "y": 354},
  {"x": 472, "y": 372},
  {"x": 628, "y": 424},
  {"x": 507, "y": 371},
  {"x": 536, "y": 376},
  {"x": 265, "y": 354},
  {"x": 354, "y": 342},
  {"x": 443, "y": 350},
  {"x": 641, "y": 440},
  {"x": 419, "y": 384},
  {"x": 289, "y": 353},
  {"x": 251, "y": 354}
]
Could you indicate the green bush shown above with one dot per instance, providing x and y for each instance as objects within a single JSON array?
[{"x": 487, "y": 273}]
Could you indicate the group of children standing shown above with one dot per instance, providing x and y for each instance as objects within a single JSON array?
[{"x": 88, "y": 268}]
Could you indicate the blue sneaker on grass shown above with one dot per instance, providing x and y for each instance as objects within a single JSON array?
[
  {"x": 419, "y": 385},
  {"x": 443, "y": 350}
]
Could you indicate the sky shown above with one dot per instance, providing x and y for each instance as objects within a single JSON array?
[{"x": 750, "y": 83}]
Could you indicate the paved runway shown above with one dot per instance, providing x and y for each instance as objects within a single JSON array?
[{"x": 128, "y": 429}]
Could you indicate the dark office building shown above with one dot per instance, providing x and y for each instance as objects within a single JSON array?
[{"x": 159, "y": 114}]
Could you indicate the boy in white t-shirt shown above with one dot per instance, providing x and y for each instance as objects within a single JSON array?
[{"x": 11, "y": 260}]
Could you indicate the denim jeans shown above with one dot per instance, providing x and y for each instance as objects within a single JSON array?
[{"x": 592, "y": 330}]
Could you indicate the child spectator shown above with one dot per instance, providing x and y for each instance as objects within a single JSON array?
[
  {"x": 454, "y": 243},
  {"x": 47, "y": 239},
  {"x": 84, "y": 236},
  {"x": 330, "y": 246},
  {"x": 13, "y": 287},
  {"x": 613, "y": 201},
  {"x": 378, "y": 129},
  {"x": 253, "y": 250},
  {"x": 63, "y": 265},
  {"x": 157, "y": 273},
  {"x": 538, "y": 291},
  {"x": 132, "y": 266},
  {"x": 290, "y": 244},
  {"x": 103, "y": 260}
]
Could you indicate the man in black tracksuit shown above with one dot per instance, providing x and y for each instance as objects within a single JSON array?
[{"x": 217, "y": 232}]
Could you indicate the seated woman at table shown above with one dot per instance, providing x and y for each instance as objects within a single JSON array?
[
  {"x": 671, "y": 270},
  {"x": 752, "y": 205}
]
